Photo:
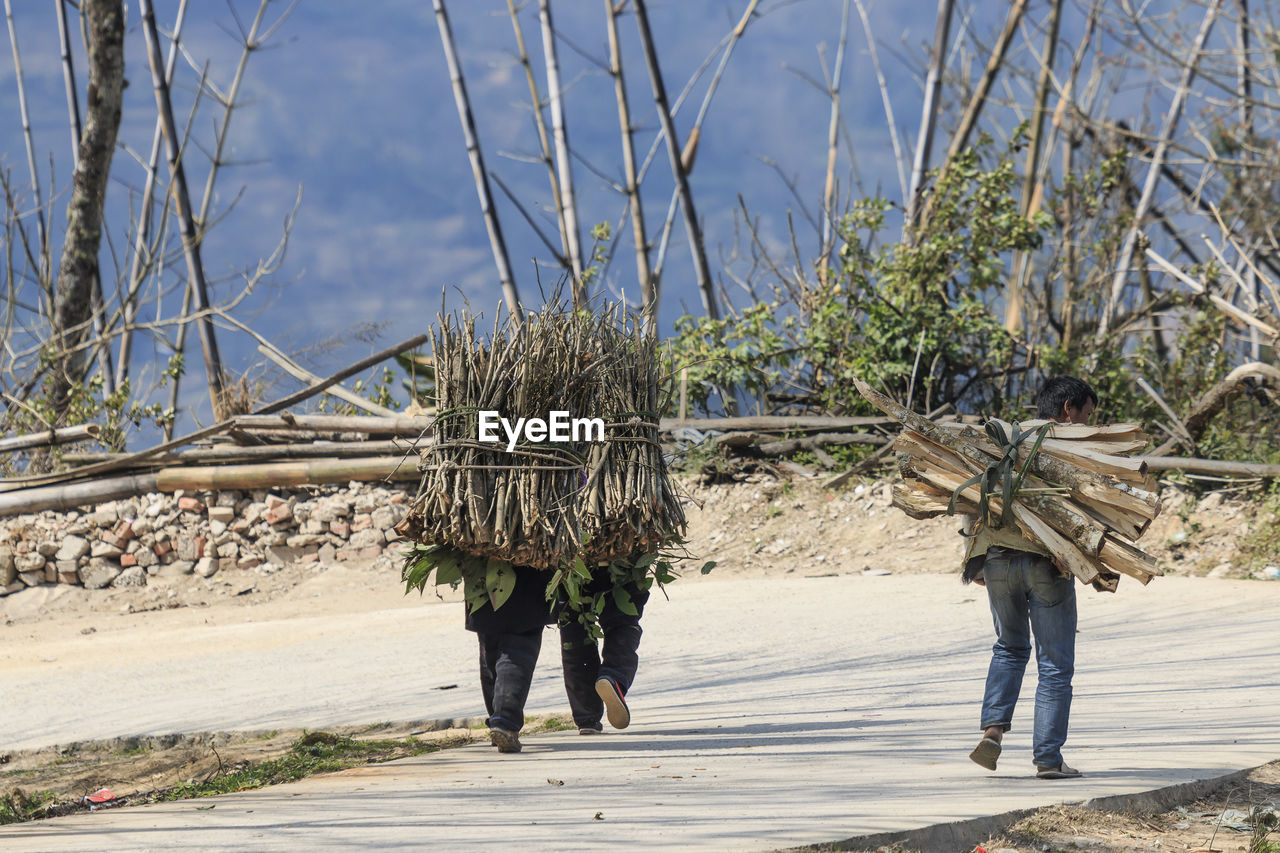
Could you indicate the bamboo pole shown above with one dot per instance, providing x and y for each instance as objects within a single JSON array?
[
  {"x": 137, "y": 266},
  {"x": 497, "y": 244},
  {"x": 315, "y": 472},
  {"x": 928, "y": 113},
  {"x": 885, "y": 100},
  {"x": 773, "y": 423},
  {"x": 42, "y": 234},
  {"x": 540, "y": 123},
  {"x": 367, "y": 424},
  {"x": 227, "y": 453},
  {"x": 564, "y": 165},
  {"x": 705, "y": 285},
  {"x": 191, "y": 238},
  {"x": 730, "y": 43},
  {"x": 297, "y": 372},
  {"x": 75, "y": 495},
  {"x": 833, "y": 134},
  {"x": 351, "y": 370},
  {"x": 643, "y": 273},
  {"x": 62, "y": 435},
  {"x": 1153, "y": 173}
]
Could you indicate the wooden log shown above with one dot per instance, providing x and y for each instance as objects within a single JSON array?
[
  {"x": 1129, "y": 559},
  {"x": 62, "y": 435},
  {"x": 69, "y": 496},
  {"x": 1211, "y": 466},
  {"x": 284, "y": 474},
  {"x": 791, "y": 445}
]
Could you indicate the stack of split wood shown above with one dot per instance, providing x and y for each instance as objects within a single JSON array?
[
  {"x": 544, "y": 503},
  {"x": 1082, "y": 498}
]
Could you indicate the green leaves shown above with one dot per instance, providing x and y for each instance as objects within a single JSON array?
[{"x": 499, "y": 581}]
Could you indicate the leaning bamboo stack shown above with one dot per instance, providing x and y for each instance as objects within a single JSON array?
[
  {"x": 1083, "y": 499},
  {"x": 544, "y": 504}
]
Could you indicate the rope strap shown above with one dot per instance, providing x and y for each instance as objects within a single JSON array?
[{"x": 1000, "y": 473}]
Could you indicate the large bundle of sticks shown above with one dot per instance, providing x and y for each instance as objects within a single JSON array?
[
  {"x": 543, "y": 504},
  {"x": 1081, "y": 499}
]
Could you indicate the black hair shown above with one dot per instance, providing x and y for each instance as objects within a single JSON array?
[{"x": 1063, "y": 389}]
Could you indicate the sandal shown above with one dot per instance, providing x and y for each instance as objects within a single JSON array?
[
  {"x": 1062, "y": 771},
  {"x": 986, "y": 753}
]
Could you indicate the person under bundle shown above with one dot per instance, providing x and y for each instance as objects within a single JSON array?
[{"x": 1030, "y": 599}]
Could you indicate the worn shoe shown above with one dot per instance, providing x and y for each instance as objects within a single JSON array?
[
  {"x": 1062, "y": 771},
  {"x": 615, "y": 705},
  {"x": 593, "y": 729},
  {"x": 986, "y": 753},
  {"x": 505, "y": 740}
]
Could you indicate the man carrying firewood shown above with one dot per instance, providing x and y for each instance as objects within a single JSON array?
[{"x": 1030, "y": 599}]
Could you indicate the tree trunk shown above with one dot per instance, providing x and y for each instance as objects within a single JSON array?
[{"x": 73, "y": 301}]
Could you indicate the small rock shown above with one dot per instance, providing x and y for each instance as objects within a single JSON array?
[
  {"x": 145, "y": 557},
  {"x": 50, "y": 548},
  {"x": 370, "y": 537},
  {"x": 29, "y": 563},
  {"x": 340, "y": 528},
  {"x": 32, "y": 578},
  {"x": 248, "y": 561},
  {"x": 98, "y": 574},
  {"x": 73, "y": 548},
  {"x": 190, "y": 504},
  {"x": 206, "y": 567},
  {"x": 222, "y": 513},
  {"x": 253, "y": 512},
  {"x": 128, "y": 560},
  {"x": 178, "y": 568},
  {"x": 279, "y": 514},
  {"x": 102, "y": 548},
  {"x": 217, "y": 528},
  {"x": 1213, "y": 500},
  {"x": 133, "y": 576}
]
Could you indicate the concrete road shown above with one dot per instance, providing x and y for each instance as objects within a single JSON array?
[{"x": 766, "y": 714}]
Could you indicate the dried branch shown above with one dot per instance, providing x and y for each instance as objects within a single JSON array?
[{"x": 1153, "y": 171}]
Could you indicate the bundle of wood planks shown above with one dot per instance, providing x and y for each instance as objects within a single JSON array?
[{"x": 1081, "y": 498}]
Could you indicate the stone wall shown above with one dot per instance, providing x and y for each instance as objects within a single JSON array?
[{"x": 125, "y": 542}]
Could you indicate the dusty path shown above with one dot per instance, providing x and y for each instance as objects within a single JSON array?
[{"x": 767, "y": 714}]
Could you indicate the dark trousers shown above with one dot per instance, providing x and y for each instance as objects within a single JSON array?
[
  {"x": 584, "y": 663},
  {"x": 507, "y": 661}
]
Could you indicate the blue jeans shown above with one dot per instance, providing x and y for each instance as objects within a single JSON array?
[{"x": 1031, "y": 599}]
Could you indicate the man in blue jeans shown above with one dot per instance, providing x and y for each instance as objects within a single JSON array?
[{"x": 1030, "y": 599}]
